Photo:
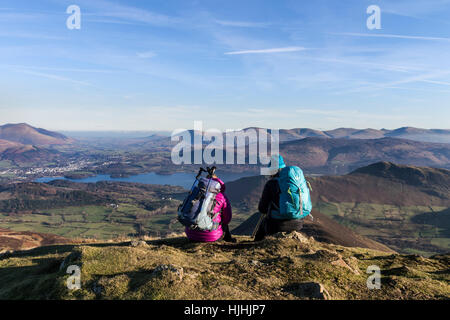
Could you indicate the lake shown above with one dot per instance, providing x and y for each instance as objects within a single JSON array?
[{"x": 182, "y": 179}]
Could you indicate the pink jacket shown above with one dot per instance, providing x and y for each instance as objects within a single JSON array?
[{"x": 222, "y": 205}]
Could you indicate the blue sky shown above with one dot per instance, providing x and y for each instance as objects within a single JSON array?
[{"x": 160, "y": 65}]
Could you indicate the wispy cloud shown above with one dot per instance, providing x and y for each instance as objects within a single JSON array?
[
  {"x": 413, "y": 9},
  {"x": 80, "y": 70},
  {"x": 392, "y": 36},
  {"x": 146, "y": 55},
  {"x": 437, "y": 82},
  {"x": 50, "y": 76},
  {"x": 29, "y": 36},
  {"x": 9, "y": 15},
  {"x": 425, "y": 77},
  {"x": 380, "y": 66},
  {"x": 243, "y": 24},
  {"x": 129, "y": 13},
  {"x": 270, "y": 50}
]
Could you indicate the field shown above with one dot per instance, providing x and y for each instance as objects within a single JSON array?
[
  {"x": 98, "y": 222},
  {"x": 93, "y": 211},
  {"x": 424, "y": 230}
]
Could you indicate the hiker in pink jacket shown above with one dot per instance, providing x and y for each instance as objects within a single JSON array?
[{"x": 224, "y": 207}]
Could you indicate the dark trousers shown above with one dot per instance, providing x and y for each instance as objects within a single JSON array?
[{"x": 271, "y": 226}]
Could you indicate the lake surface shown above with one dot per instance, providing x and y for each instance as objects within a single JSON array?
[{"x": 182, "y": 179}]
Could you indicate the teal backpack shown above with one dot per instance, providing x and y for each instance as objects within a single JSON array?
[{"x": 295, "y": 199}]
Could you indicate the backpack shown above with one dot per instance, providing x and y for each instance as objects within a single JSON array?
[
  {"x": 197, "y": 210},
  {"x": 295, "y": 199}
]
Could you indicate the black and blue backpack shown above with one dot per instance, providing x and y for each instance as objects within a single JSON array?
[{"x": 295, "y": 198}]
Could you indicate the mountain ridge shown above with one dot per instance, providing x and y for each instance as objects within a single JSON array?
[{"x": 25, "y": 134}]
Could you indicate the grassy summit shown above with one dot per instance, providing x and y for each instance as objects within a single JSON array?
[{"x": 286, "y": 266}]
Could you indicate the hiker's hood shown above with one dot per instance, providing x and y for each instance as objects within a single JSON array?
[
  {"x": 222, "y": 184},
  {"x": 278, "y": 162},
  {"x": 277, "y": 158}
]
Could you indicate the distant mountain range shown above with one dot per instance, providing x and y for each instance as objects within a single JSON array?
[
  {"x": 417, "y": 134},
  {"x": 285, "y": 135},
  {"x": 26, "y": 134},
  {"x": 342, "y": 150},
  {"x": 336, "y": 151},
  {"x": 340, "y": 156}
]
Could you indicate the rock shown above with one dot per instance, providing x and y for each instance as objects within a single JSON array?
[
  {"x": 140, "y": 243},
  {"x": 312, "y": 290},
  {"x": 97, "y": 289},
  {"x": 255, "y": 262},
  {"x": 341, "y": 263},
  {"x": 292, "y": 235},
  {"x": 170, "y": 270},
  {"x": 326, "y": 255},
  {"x": 134, "y": 243}
]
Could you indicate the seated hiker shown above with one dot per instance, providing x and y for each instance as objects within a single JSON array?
[
  {"x": 222, "y": 218},
  {"x": 285, "y": 200}
]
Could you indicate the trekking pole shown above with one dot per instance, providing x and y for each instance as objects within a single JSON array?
[
  {"x": 261, "y": 218},
  {"x": 196, "y": 178},
  {"x": 211, "y": 171},
  {"x": 200, "y": 171},
  {"x": 210, "y": 175}
]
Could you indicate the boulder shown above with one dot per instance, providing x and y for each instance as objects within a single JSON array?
[
  {"x": 310, "y": 290},
  {"x": 169, "y": 270}
]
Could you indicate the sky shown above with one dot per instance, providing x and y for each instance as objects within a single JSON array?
[{"x": 163, "y": 64}]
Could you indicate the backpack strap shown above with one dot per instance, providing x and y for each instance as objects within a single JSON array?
[
  {"x": 309, "y": 185},
  {"x": 300, "y": 200}
]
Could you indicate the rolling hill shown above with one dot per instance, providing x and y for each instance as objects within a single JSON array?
[
  {"x": 12, "y": 146},
  {"x": 26, "y": 134},
  {"x": 23, "y": 154},
  {"x": 25, "y": 240},
  {"x": 24, "y": 145}
]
